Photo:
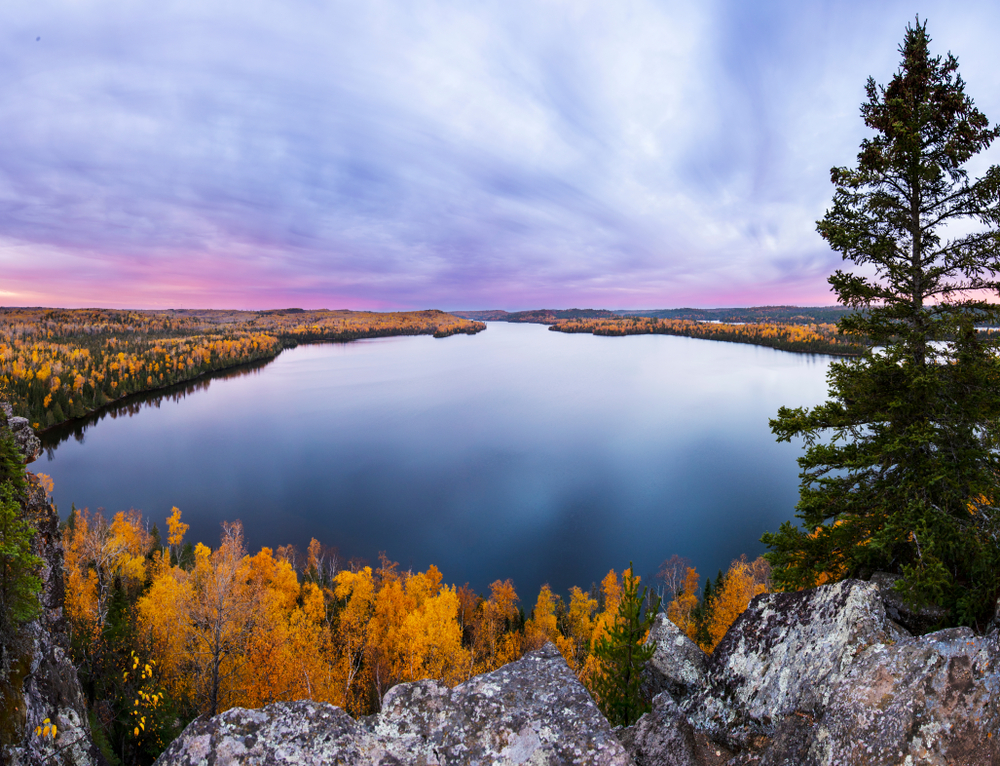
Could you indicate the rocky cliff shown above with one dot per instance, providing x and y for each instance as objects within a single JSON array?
[
  {"x": 44, "y": 683},
  {"x": 823, "y": 676},
  {"x": 817, "y": 677}
]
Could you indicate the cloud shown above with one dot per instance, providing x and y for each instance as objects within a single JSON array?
[{"x": 456, "y": 155}]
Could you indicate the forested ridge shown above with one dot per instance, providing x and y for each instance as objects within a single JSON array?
[
  {"x": 815, "y": 338},
  {"x": 57, "y": 364}
]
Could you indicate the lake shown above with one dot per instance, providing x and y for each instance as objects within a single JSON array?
[{"x": 517, "y": 452}]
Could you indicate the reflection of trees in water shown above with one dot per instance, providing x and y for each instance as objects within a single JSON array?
[{"x": 134, "y": 404}]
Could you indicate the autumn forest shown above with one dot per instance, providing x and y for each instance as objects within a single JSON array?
[
  {"x": 163, "y": 630},
  {"x": 57, "y": 364}
]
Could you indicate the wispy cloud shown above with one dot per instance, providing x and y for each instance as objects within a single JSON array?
[{"x": 457, "y": 155}]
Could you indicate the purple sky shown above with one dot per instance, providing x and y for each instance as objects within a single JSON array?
[{"x": 511, "y": 154}]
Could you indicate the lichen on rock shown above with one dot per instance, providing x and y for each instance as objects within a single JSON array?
[
  {"x": 533, "y": 711},
  {"x": 678, "y": 663},
  {"x": 662, "y": 737},
  {"x": 784, "y": 655},
  {"x": 932, "y": 699}
]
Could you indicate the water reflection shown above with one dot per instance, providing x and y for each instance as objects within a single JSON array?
[
  {"x": 132, "y": 405},
  {"x": 518, "y": 452}
]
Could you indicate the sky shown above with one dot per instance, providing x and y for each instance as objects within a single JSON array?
[{"x": 510, "y": 154}]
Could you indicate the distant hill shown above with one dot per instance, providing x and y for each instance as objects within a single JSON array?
[
  {"x": 495, "y": 315},
  {"x": 537, "y": 316}
]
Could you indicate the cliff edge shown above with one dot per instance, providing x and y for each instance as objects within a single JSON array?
[{"x": 44, "y": 683}]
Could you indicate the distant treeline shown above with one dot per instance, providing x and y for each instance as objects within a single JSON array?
[
  {"x": 753, "y": 314},
  {"x": 749, "y": 315},
  {"x": 816, "y": 338},
  {"x": 57, "y": 364}
]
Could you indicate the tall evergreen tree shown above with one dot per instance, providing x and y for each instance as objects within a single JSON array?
[
  {"x": 900, "y": 470},
  {"x": 623, "y": 654}
]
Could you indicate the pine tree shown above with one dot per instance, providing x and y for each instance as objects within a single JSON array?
[
  {"x": 900, "y": 471},
  {"x": 622, "y": 655}
]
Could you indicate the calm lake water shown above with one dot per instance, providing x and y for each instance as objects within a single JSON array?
[{"x": 518, "y": 452}]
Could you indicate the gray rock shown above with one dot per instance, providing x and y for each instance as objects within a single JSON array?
[
  {"x": 530, "y": 711},
  {"x": 662, "y": 737},
  {"x": 928, "y": 700},
  {"x": 301, "y": 732},
  {"x": 784, "y": 655},
  {"x": 914, "y": 620},
  {"x": 678, "y": 664},
  {"x": 24, "y": 436}
]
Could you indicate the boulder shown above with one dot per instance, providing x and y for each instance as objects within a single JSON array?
[
  {"x": 678, "y": 663},
  {"x": 533, "y": 710},
  {"x": 915, "y": 620},
  {"x": 784, "y": 655},
  {"x": 662, "y": 737},
  {"x": 930, "y": 700},
  {"x": 24, "y": 436}
]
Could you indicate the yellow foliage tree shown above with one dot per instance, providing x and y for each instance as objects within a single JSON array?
[
  {"x": 611, "y": 589},
  {"x": 543, "y": 627},
  {"x": 581, "y": 625},
  {"x": 97, "y": 554},
  {"x": 494, "y": 643},
  {"x": 357, "y": 592},
  {"x": 741, "y": 583},
  {"x": 681, "y": 610},
  {"x": 176, "y": 529}
]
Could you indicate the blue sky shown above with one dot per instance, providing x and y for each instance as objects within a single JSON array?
[{"x": 386, "y": 155}]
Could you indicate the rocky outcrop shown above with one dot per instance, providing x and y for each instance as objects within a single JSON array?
[
  {"x": 783, "y": 655},
  {"x": 678, "y": 663},
  {"x": 816, "y": 678},
  {"x": 933, "y": 699},
  {"x": 45, "y": 684},
  {"x": 24, "y": 435},
  {"x": 825, "y": 678},
  {"x": 530, "y": 711}
]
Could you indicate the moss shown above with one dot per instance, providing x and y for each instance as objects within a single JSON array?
[{"x": 101, "y": 740}]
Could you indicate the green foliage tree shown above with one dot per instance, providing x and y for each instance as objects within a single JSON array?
[
  {"x": 19, "y": 566},
  {"x": 900, "y": 470},
  {"x": 622, "y": 656}
]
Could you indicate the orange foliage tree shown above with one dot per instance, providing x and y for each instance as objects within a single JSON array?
[
  {"x": 225, "y": 628},
  {"x": 97, "y": 555}
]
